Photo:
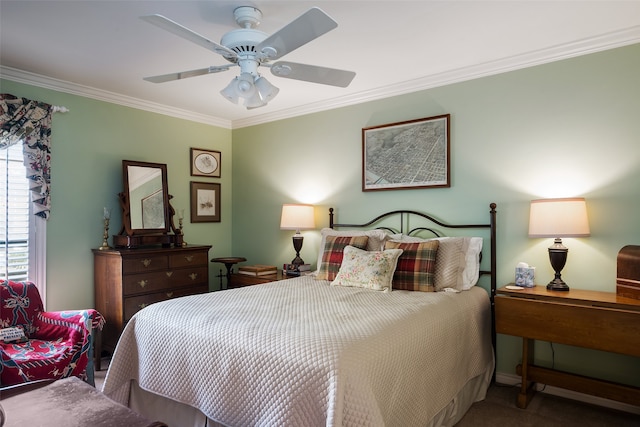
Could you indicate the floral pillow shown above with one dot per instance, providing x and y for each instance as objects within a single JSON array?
[
  {"x": 367, "y": 269},
  {"x": 332, "y": 253},
  {"x": 416, "y": 267}
]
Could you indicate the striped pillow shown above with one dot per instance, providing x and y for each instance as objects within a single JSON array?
[
  {"x": 416, "y": 267},
  {"x": 333, "y": 251}
]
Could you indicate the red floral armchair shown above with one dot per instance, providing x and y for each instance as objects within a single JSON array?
[{"x": 54, "y": 344}]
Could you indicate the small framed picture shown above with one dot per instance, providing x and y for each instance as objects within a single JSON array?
[
  {"x": 205, "y": 202},
  {"x": 205, "y": 162}
]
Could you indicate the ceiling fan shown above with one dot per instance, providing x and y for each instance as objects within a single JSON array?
[{"x": 250, "y": 49}]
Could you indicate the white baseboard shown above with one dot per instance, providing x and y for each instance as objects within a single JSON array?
[{"x": 511, "y": 379}]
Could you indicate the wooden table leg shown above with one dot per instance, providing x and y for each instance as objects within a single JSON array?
[
  {"x": 527, "y": 387},
  {"x": 97, "y": 349}
]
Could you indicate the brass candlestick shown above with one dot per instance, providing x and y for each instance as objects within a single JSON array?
[
  {"x": 180, "y": 227},
  {"x": 105, "y": 236}
]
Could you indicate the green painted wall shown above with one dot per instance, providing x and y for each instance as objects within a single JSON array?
[
  {"x": 569, "y": 128},
  {"x": 88, "y": 146}
]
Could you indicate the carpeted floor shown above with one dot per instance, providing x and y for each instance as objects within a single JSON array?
[
  {"x": 545, "y": 410},
  {"x": 499, "y": 409}
]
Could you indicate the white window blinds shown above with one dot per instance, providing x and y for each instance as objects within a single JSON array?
[{"x": 14, "y": 215}]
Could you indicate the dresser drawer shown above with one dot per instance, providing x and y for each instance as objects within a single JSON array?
[
  {"x": 189, "y": 276},
  {"x": 134, "y": 284},
  {"x": 188, "y": 259},
  {"x": 146, "y": 282},
  {"x": 145, "y": 263},
  {"x": 134, "y": 304}
]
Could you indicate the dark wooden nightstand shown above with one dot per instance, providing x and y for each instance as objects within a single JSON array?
[
  {"x": 237, "y": 280},
  {"x": 590, "y": 319}
]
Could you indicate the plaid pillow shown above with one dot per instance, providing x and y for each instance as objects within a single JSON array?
[
  {"x": 416, "y": 266},
  {"x": 333, "y": 251}
]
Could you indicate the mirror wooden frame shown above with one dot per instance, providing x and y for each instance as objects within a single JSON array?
[{"x": 131, "y": 237}]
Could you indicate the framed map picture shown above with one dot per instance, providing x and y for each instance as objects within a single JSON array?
[
  {"x": 205, "y": 162},
  {"x": 411, "y": 154}
]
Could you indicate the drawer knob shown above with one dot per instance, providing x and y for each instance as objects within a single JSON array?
[
  {"x": 193, "y": 276},
  {"x": 146, "y": 262},
  {"x": 169, "y": 294},
  {"x": 143, "y": 283},
  {"x": 143, "y": 305},
  {"x": 169, "y": 273},
  {"x": 189, "y": 258}
]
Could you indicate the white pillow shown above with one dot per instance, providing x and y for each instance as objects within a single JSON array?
[
  {"x": 457, "y": 261},
  {"x": 375, "y": 243},
  {"x": 367, "y": 269}
]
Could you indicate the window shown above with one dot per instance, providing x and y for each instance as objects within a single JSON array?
[{"x": 22, "y": 234}]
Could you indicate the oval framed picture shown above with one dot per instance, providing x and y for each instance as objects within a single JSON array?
[{"x": 205, "y": 162}]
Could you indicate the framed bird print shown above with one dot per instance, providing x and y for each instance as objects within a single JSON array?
[{"x": 205, "y": 162}]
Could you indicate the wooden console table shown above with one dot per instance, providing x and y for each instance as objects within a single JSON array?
[{"x": 590, "y": 319}]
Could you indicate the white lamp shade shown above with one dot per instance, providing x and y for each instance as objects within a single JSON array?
[
  {"x": 297, "y": 217},
  {"x": 559, "y": 218}
]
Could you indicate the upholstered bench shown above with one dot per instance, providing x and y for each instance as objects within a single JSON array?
[{"x": 69, "y": 402}]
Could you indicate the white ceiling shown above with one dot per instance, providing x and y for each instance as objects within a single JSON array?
[{"x": 102, "y": 49}]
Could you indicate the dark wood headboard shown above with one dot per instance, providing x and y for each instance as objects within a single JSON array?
[{"x": 400, "y": 222}]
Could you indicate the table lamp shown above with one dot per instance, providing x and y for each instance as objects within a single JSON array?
[
  {"x": 558, "y": 218},
  {"x": 297, "y": 217}
]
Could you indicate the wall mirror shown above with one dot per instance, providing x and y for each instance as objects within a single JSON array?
[{"x": 147, "y": 215}]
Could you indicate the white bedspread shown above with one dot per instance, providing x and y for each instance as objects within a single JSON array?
[{"x": 301, "y": 352}]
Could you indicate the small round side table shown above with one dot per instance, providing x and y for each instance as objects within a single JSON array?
[{"x": 228, "y": 262}]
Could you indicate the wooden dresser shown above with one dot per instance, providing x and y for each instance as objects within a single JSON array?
[
  {"x": 590, "y": 319},
  {"x": 127, "y": 280}
]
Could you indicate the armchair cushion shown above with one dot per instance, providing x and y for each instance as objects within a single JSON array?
[{"x": 58, "y": 345}]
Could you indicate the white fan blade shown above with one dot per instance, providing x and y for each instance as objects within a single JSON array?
[
  {"x": 312, "y": 73},
  {"x": 180, "y": 31},
  {"x": 308, "y": 26},
  {"x": 186, "y": 74}
]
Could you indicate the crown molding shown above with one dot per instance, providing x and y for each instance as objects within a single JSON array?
[
  {"x": 38, "y": 80},
  {"x": 586, "y": 46}
]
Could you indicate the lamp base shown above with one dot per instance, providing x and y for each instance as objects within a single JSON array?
[
  {"x": 557, "y": 285},
  {"x": 297, "y": 245},
  {"x": 297, "y": 261}
]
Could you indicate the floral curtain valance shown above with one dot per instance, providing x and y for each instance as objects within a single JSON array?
[{"x": 29, "y": 121}]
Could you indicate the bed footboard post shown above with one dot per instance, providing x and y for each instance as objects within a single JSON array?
[
  {"x": 494, "y": 272},
  {"x": 330, "y": 217}
]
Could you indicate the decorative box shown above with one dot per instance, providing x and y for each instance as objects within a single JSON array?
[{"x": 628, "y": 277}]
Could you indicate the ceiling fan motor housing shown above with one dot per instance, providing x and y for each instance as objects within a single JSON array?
[{"x": 243, "y": 41}]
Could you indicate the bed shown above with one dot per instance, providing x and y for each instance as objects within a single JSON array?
[{"x": 326, "y": 349}]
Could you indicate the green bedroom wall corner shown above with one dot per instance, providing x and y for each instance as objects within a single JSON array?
[{"x": 88, "y": 145}]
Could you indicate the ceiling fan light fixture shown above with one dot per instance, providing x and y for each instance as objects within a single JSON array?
[
  {"x": 244, "y": 85},
  {"x": 255, "y": 101},
  {"x": 230, "y": 91},
  {"x": 266, "y": 90}
]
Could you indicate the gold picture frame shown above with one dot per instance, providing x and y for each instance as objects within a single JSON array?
[{"x": 206, "y": 162}]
